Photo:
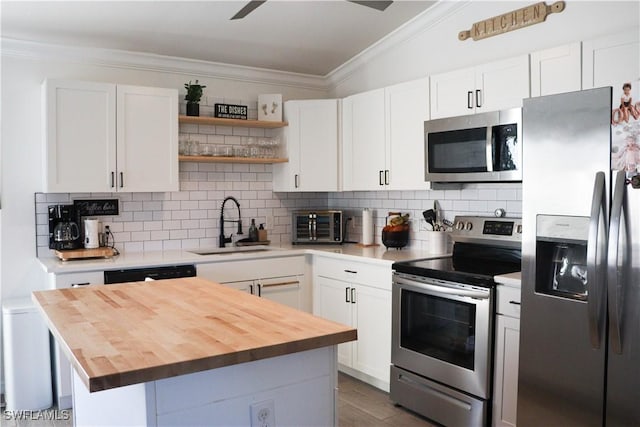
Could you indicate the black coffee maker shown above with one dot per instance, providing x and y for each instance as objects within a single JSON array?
[{"x": 64, "y": 232}]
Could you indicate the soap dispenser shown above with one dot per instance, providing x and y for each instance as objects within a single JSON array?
[{"x": 253, "y": 231}]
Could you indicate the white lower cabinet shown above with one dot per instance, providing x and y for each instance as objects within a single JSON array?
[
  {"x": 62, "y": 370},
  {"x": 505, "y": 395},
  {"x": 359, "y": 295},
  {"x": 278, "y": 279}
]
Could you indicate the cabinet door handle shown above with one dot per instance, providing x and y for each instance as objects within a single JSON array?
[
  {"x": 121, "y": 179},
  {"x": 381, "y": 177},
  {"x": 113, "y": 178},
  {"x": 259, "y": 289},
  {"x": 470, "y": 100},
  {"x": 353, "y": 295},
  {"x": 351, "y": 271},
  {"x": 296, "y": 180},
  {"x": 346, "y": 295},
  {"x": 386, "y": 177},
  {"x": 478, "y": 98},
  {"x": 251, "y": 289},
  {"x": 514, "y": 302}
]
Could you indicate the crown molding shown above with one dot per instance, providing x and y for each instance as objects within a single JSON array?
[
  {"x": 160, "y": 63},
  {"x": 418, "y": 25}
]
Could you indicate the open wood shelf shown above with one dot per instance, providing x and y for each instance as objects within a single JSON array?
[
  {"x": 214, "y": 159},
  {"x": 200, "y": 120}
]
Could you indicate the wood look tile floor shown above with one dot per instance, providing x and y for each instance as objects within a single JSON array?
[{"x": 359, "y": 405}]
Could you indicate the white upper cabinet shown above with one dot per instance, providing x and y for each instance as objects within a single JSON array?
[
  {"x": 556, "y": 70},
  {"x": 147, "y": 135},
  {"x": 312, "y": 144},
  {"x": 364, "y": 141},
  {"x": 407, "y": 110},
  {"x": 383, "y": 137},
  {"x": 100, "y": 137},
  {"x": 79, "y": 136},
  {"x": 612, "y": 61},
  {"x": 489, "y": 87}
]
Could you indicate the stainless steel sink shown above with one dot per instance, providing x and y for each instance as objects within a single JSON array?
[{"x": 230, "y": 250}]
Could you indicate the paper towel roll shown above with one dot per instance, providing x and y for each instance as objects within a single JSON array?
[{"x": 367, "y": 227}]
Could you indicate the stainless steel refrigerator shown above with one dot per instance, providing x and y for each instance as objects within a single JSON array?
[{"x": 580, "y": 319}]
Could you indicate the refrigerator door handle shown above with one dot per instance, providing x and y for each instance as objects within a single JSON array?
[
  {"x": 596, "y": 261},
  {"x": 613, "y": 278}
]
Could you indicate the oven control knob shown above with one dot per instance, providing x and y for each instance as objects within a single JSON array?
[
  {"x": 519, "y": 229},
  {"x": 459, "y": 225},
  {"x": 468, "y": 226}
]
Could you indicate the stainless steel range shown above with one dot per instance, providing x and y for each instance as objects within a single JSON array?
[{"x": 443, "y": 316}]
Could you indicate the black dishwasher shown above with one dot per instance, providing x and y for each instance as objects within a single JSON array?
[{"x": 154, "y": 273}]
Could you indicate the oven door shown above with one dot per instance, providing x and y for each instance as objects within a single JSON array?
[{"x": 442, "y": 331}]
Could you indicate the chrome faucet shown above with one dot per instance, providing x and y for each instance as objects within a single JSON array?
[{"x": 223, "y": 240}]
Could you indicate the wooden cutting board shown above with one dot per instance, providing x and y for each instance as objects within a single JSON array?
[{"x": 72, "y": 254}]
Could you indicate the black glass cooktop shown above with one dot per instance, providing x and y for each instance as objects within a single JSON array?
[{"x": 470, "y": 264}]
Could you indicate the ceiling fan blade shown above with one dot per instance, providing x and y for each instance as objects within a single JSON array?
[
  {"x": 248, "y": 8},
  {"x": 378, "y": 5}
]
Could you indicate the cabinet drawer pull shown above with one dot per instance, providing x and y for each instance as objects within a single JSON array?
[
  {"x": 346, "y": 295},
  {"x": 121, "y": 179},
  {"x": 113, "y": 178},
  {"x": 353, "y": 295},
  {"x": 470, "y": 100},
  {"x": 386, "y": 177},
  {"x": 296, "y": 180},
  {"x": 514, "y": 302},
  {"x": 351, "y": 271},
  {"x": 79, "y": 285},
  {"x": 478, "y": 98},
  {"x": 271, "y": 285},
  {"x": 381, "y": 177}
]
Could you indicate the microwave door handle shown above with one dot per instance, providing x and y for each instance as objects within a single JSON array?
[
  {"x": 596, "y": 253},
  {"x": 618, "y": 208},
  {"x": 314, "y": 227},
  {"x": 489, "y": 149}
]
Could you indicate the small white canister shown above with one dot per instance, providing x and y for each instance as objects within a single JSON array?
[{"x": 91, "y": 230}]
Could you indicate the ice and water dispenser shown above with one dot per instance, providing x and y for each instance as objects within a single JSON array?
[{"x": 561, "y": 256}]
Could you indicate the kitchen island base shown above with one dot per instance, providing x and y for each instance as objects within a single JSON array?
[{"x": 300, "y": 387}]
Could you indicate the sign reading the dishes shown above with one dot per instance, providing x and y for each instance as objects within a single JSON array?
[
  {"x": 229, "y": 111},
  {"x": 511, "y": 21}
]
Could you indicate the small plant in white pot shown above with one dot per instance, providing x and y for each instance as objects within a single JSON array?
[{"x": 193, "y": 96}]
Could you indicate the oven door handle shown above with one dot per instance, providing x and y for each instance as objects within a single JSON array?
[{"x": 443, "y": 290}]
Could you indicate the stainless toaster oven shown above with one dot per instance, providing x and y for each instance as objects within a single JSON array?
[{"x": 317, "y": 226}]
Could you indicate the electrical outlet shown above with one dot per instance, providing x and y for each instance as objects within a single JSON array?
[{"x": 263, "y": 414}]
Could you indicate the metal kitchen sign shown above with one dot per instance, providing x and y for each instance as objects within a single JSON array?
[
  {"x": 511, "y": 21},
  {"x": 229, "y": 111}
]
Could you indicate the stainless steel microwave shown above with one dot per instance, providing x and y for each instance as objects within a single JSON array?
[
  {"x": 485, "y": 147},
  {"x": 318, "y": 226}
]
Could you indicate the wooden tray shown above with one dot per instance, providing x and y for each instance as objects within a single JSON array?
[{"x": 72, "y": 254}]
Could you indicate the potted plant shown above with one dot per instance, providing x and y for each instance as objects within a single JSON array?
[{"x": 194, "y": 93}]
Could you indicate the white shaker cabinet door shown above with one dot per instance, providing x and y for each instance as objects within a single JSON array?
[
  {"x": 79, "y": 136},
  {"x": 556, "y": 70},
  {"x": 505, "y": 400},
  {"x": 502, "y": 84},
  {"x": 372, "y": 352},
  {"x": 332, "y": 300},
  {"x": 452, "y": 93},
  {"x": 147, "y": 139},
  {"x": 612, "y": 61},
  {"x": 364, "y": 141},
  {"x": 407, "y": 108}
]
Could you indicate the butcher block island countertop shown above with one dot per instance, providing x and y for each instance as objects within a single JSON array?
[{"x": 131, "y": 333}]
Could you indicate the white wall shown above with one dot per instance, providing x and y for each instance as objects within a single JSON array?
[
  {"x": 435, "y": 47},
  {"x": 21, "y": 144}
]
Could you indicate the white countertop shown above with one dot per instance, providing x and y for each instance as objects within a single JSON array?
[
  {"x": 510, "y": 279},
  {"x": 374, "y": 254}
]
